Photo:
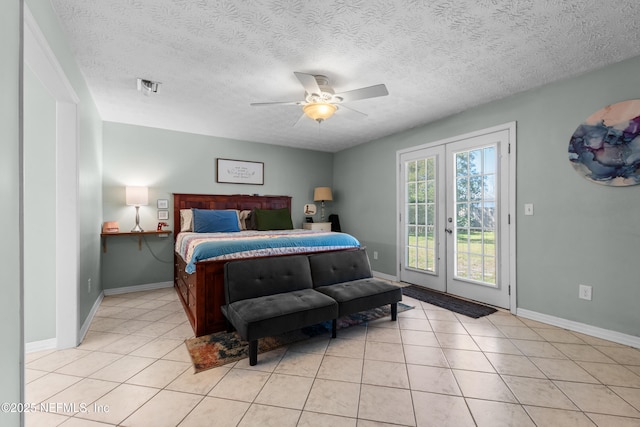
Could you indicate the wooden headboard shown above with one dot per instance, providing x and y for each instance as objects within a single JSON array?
[{"x": 225, "y": 201}]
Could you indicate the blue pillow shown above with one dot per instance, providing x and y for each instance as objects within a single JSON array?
[{"x": 215, "y": 221}]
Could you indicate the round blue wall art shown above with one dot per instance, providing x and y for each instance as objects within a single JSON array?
[{"x": 605, "y": 148}]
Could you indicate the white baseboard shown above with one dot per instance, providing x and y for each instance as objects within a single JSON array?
[
  {"x": 138, "y": 288},
  {"x": 384, "y": 276},
  {"x": 583, "y": 328},
  {"x": 87, "y": 322},
  {"x": 32, "y": 347},
  {"x": 52, "y": 344}
]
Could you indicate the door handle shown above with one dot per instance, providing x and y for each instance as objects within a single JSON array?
[{"x": 448, "y": 230}]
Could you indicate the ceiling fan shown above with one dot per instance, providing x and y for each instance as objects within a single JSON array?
[{"x": 320, "y": 100}]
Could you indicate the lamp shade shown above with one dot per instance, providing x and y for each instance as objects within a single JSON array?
[
  {"x": 321, "y": 194},
  {"x": 137, "y": 196}
]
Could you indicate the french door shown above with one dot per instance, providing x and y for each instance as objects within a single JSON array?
[{"x": 455, "y": 231}]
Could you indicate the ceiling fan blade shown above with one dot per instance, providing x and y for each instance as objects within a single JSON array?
[
  {"x": 300, "y": 120},
  {"x": 308, "y": 82},
  {"x": 351, "y": 113},
  {"x": 266, "y": 104},
  {"x": 363, "y": 93}
]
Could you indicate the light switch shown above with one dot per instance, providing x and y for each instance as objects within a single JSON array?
[{"x": 528, "y": 209}]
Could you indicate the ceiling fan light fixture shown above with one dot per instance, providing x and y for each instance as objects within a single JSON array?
[{"x": 319, "y": 111}]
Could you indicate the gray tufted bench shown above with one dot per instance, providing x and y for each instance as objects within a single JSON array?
[
  {"x": 346, "y": 277},
  {"x": 271, "y": 296}
]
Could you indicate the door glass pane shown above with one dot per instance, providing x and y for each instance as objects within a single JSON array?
[
  {"x": 475, "y": 188},
  {"x": 475, "y": 212},
  {"x": 411, "y": 192},
  {"x": 420, "y": 209},
  {"x": 462, "y": 215},
  {"x": 431, "y": 168},
  {"x": 475, "y": 162},
  {"x": 462, "y": 241},
  {"x": 421, "y": 172},
  {"x": 411, "y": 171},
  {"x": 422, "y": 215},
  {"x": 431, "y": 192},
  {"x": 490, "y": 160},
  {"x": 462, "y": 164},
  {"x": 422, "y": 192},
  {"x": 489, "y": 187},
  {"x": 411, "y": 214},
  {"x": 462, "y": 192}
]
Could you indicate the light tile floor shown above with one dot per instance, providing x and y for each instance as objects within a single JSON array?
[{"x": 431, "y": 368}]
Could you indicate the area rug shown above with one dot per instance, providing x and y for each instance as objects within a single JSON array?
[
  {"x": 448, "y": 302},
  {"x": 209, "y": 351}
]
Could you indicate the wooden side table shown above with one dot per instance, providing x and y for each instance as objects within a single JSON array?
[
  {"x": 164, "y": 233},
  {"x": 322, "y": 226}
]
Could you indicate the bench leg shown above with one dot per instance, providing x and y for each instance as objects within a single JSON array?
[
  {"x": 334, "y": 327},
  {"x": 394, "y": 311},
  {"x": 230, "y": 327},
  {"x": 253, "y": 352}
]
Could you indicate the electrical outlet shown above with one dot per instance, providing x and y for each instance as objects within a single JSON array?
[
  {"x": 375, "y": 254},
  {"x": 89, "y": 285},
  {"x": 584, "y": 292}
]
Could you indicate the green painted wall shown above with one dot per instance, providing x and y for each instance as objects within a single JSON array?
[
  {"x": 89, "y": 158},
  {"x": 39, "y": 215},
  {"x": 11, "y": 322},
  {"x": 175, "y": 162},
  {"x": 581, "y": 232}
]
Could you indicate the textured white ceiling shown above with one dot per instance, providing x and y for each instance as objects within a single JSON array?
[{"x": 436, "y": 57}]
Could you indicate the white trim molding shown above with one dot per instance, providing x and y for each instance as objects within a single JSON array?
[
  {"x": 87, "y": 323},
  {"x": 583, "y": 328},
  {"x": 385, "y": 276},
  {"x": 32, "y": 347}
]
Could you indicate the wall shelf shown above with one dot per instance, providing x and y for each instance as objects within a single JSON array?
[{"x": 139, "y": 234}]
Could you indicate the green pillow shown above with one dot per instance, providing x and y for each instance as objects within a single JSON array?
[{"x": 273, "y": 219}]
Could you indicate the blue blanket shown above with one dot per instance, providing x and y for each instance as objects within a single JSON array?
[{"x": 195, "y": 247}]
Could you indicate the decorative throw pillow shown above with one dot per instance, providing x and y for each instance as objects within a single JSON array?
[
  {"x": 186, "y": 220},
  {"x": 273, "y": 219},
  {"x": 244, "y": 217},
  {"x": 215, "y": 221}
]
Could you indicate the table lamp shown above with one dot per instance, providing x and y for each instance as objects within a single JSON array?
[
  {"x": 137, "y": 196},
  {"x": 321, "y": 194}
]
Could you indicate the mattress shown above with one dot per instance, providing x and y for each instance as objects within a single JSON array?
[{"x": 196, "y": 247}]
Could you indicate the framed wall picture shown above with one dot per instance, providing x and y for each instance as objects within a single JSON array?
[
  {"x": 239, "y": 172},
  {"x": 605, "y": 148},
  {"x": 163, "y": 215},
  {"x": 163, "y": 204}
]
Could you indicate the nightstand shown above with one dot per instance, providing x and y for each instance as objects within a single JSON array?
[
  {"x": 322, "y": 226},
  {"x": 139, "y": 234}
]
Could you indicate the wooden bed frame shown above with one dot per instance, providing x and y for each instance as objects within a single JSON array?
[{"x": 202, "y": 293}]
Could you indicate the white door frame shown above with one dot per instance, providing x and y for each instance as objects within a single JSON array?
[
  {"x": 511, "y": 204},
  {"x": 42, "y": 61}
]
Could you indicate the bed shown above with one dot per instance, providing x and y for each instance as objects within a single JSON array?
[{"x": 200, "y": 257}]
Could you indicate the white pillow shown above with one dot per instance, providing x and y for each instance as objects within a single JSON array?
[
  {"x": 186, "y": 220},
  {"x": 242, "y": 216}
]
